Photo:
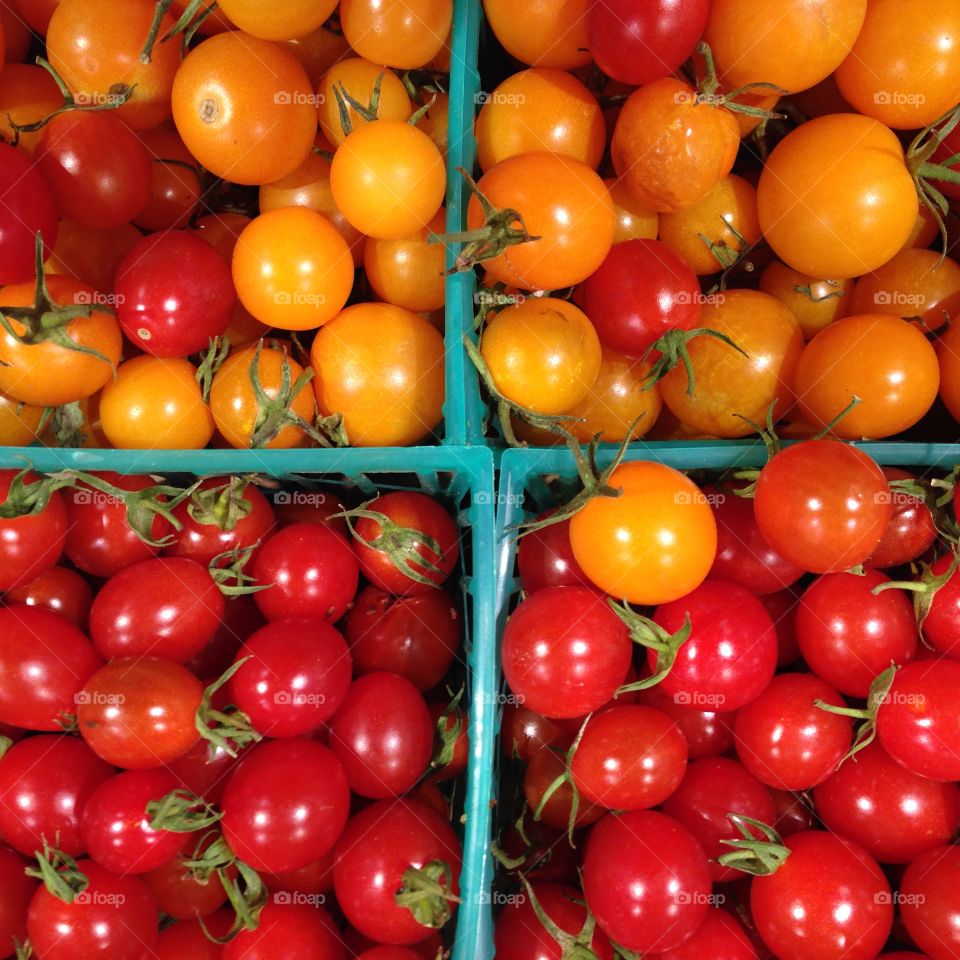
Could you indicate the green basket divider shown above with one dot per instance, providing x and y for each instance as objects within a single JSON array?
[{"x": 464, "y": 478}]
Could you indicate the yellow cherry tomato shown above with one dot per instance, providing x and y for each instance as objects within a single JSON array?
[
  {"x": 633, "y": 220},
  {"x": 814, "y": 303},
  {"x": 408, "y": 272},
  {"x": 277, "y": 21}
]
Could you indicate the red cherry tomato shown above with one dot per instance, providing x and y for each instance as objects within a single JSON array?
[
  {"x": 708, "y": 733},
  {"x": 18, "y": 890},
  {"x": 929, "y": 897},
  {"x": 910, "y": 532},
  {"x": 545, "y": 558},
  {"x": 29, "y": 545},
  {"x": 61, "y": 590},
  {"x": 294, "y": 931},
  {"x": 26, "y": 209}
]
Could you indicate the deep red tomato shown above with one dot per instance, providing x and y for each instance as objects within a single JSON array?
[
  {"x": 708, "y": 732},
  {"x": 60, "y": 590},
  {"x": 140, "y": 713},
  {"x": 460, "y": 747},
  {"x": 179, "y": 894},
  {"x": 629, "y": 758},
  {"x": 100, "y": 540},
  {"x": 295, "y": 679},
  {"x": 546, "y": 559},
  {"x": 413, "y": 511},
  {"x": 204, "y": 770},
  {"x": 892, "y": 813},
  {"x": 18, "y": 890},
  {"x": 379, "y": 845},
  {"x": 417, "y": 636},
  {"x": 556, "y": 810},
  {"x": 828, "y": 899},
  {"x": 823, "y": 505},
  {"x": 782, "y": 607},
  {"x": 791, "y": 814},
  {"x": 565, "y": 652},
  {"x": 941, "y": 626},
  {"x": 311, "y": 570},
  {"x": 910, "y": 532},
  {"x": 166, "y": 606},
  {"x": 26, "y": 209},
  {"x": 29, "y": 545},
  {"x": 784, "y": 740},
  {"x": 285, "y": 804},
  {"x": 315, "y": 506},
  {"x": 114, "y": 917},
  {"x": 187, "y": 940},
  {"x": 848, "y": 634},
  {"x": 743, "y": 555},
  {"x": 174, "y": 293},
  {"x": 294, "y": 931},
  {"x": 316, "y": 877},
  {"x": 929, "y": 899},
  {"x": 731, "y": 652},
  {"x": 97, "y": 188},
  {"x": 225, "y": 520},
  {"x": 39, "y": 681},
  {"x": 116, "y": 827},
  {"x": 646, "y": 879},
  {"x": 711, "y": 789},
  {"x": 719, "y": 937},
  {"x": 383, "y": 735},
  {"x": 523, "y": 732},
  {"x": 918, "y": 723},
  {"x": 520, "y": 935},
  {"x": 384, "y": 952},
  {"x": 45, "y": 782},
  {"x": 640, "y": 291}
]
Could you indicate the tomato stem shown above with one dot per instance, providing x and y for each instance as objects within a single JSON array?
[
  {"x": 573, "y": 946},
  {"x": 444, "y": 736},
  {"x": 672, "y": 347},
  {"x": 187, "y": 24},
  {"x": 223, "y": 506},
  {"x": 5, "y": 744},
  {"x": 709, "y": 84},
  {"x": 229, "y": 729},
  {"x": 854, "y": 402},
  {"x": 760, "y": 858},
  {"x": 59, "y": 873},
  {"x": 426, "y": 893},
  {"x": 181, "y": 811},
  {"x": 210, "y": 362},
  {"x": 369, "y": 112},
  {"x": 649, "y": 634}
]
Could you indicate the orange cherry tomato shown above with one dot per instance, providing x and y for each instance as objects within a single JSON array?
[
  {"x": 669, "y": 147},
  {"x": 388, "y": 179},
  {"x": 401, "y": 33},
  {"x": 793, "y": 44},
  {"x": 728, "y": 385},
  {"x": 924, "y": 230},
  {"x": 543, "y": 354},
  {"x": 277, "y": 21},
  {"x": 234, "y": 403},
  {"x": 726, "y": 217},
  {"x": 633, "y": 220},
  {"x": 175, "y": 190},
  {"x": 918, "y": 285},
  {"x": 47, "y": 374},
  {"x": 845, "y": 223},
  {"x": 814, "y": 303},
  {"x": 564, "y": 203},
  {"x": 381, "y": 367},
  {"x": 155, "y": 404},
  {"x": 540, "y": 109},
  {"x": 318, "y": 52},
  {"x": 97, "y": 53},
  {"x": 543, "y": 33},
  {"x": 292, "y": 269},
  {"x": 948, "y": 355},
  {"x": 654, "y": 543},
  {"x": 245, "y": 108},
  {"x": 408, "y": 272},
  {"x": 359, "y": 77},
  {"x": 904, "y": 69},
  {"x": 309, "y": 186},
  {"x": 27, "y": 94},
  {"x": 885, "y": 361},
  {"x": 19, "y": 422}
]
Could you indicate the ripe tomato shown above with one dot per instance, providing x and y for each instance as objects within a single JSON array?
[
  {"x": 708, "y": 732},
  {"x": 540, "y": 109},
  {"x": 244, "y": 108},
  {"x": 174, "y": 191},
  {"x": 174, "y": 294},
  {"x": 91, "y": 256},
  {"x": 311, "y": 570},
  {"x": 911, "y": 531},
  {"x": 19, "y": 422},
  {"x": 545, "y": 558},
  {"x": 928, "y": 899},
  {"x": 114, "y": 916},
  {"x": 817, "y": 304},
  {"x": 179, "y": 894},
  {"x": 99, "y": 58},
  {"x": 26, "y": 209},
  {"x": 187, "y": 940},
  {"x": 654, "y": 543},
  {"x": 846, "y": 224},
  {"x": 948, "y": 354},
  {"x": 543, "y": 33},
  {"x": 46, "y": 781},
  {"x": 564, "y": 652},
  {"x": 543, "y": 354},
  {"x": 40, "y": 681},
  {"x": 543, "y": 770},
  {"x": 18, "y": 889},
  {"x": 669, "y": 148},
  {"x": 30, "y": 545},
  {"x": 404, "y": 35},
  {"x": 294, "y": 931},
  {"x": 155, "y": 404},
  {"x": 296, "y": 676},
  {"x": 388, "y": 178},
  {"x": 45, "y": 373},
  {"x": 381, "y": 368},
  {"x": 784, "y": 740},
  {"x": 281, "y": 22},
  {"x": 719, "y": 937},
  {"x": 884, "y": 360},
  {"x": 60, "y": 590},
  {"x": 292, "y": 269},
  {"x": 564, "y": 203},
  {"x": 408, "y": 272},
  {"x": 827, "y": 899},
  {"x": 285, "y": 804},
  {"x": 139, "y": 713},
  {"x": 822, "y": 505}
]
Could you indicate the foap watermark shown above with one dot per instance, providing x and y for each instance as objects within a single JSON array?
[
  {"x": 498, "y": 898},
  {"x": 297, "y": 897},
  {"x": 898, "y": 498},
  {"x": 504, "y": 499},
  {"x": 699, "y": 699},
  {"x": 94, "y": 698},
  {"x": 94, "y": 298},
  {"x": 704, "y": 299},
  {"x": 500, "y": 99},
  {"x": 297, "y": 698},
  {"x": 897, "y": 298},
  {"x": 490, "y": 298},
  {"x": 286, "y": 298},
  {"x": 685, "y": 897},
  {"x": 92, "y": 98},
  {"x": 500, "y": 699},
  {"x": 899, "y": 98},
  {"x": 96, "y": 898},
  {"x": 694, "y": 98},
  {"x": 897, "y": 699},
  {"x": 896, "y": 898},
  {"x": 713, "y": 499},
  {"x": 300, "y": 498},
  {"x": 96, "y": 498},
  {"x": 286, "y": 98}
]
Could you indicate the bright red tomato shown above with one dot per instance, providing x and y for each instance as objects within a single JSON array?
[
  {"x": 30, "y": 545},
  {"x": 18, "y": 890},
  {"x": 545, "y": 558},
  {"x": 719, "y": 937},
  {"x": 910, "y": 532},
  {"x": 929, "y": 900},
  {"x": 708, "y": 733},
  {"x": 294, "y": 931},
  {"x": 61, "y": 590},
  {"x": 26, "y": 209}
]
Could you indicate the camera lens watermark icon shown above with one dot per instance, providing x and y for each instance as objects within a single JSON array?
[
  {"x": 95, "y": 498},
  {"x": 897, "y": 298},
  {"x": 686, "y": 897},
  {"x": 685, "y": 497},
  {"x": 498, "y": 898},
  {"x": 704, "y": 299},
  {"x": 896, "y": 898}
]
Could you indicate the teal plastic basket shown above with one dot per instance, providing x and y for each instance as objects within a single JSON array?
[{"x": 464, "y": 479}]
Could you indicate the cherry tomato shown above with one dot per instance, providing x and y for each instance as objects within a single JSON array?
[
  {"x": 545, "y": 558},
  {"x": 948, "y": 353},
  {"x": 139, "y": 714},
  {"x": 316, "y": 877},
  {"x": 285, "y": 805},
  {"x": 311, "y": 570},
  {"x": 179, "y": 894},
  {"x": 928, "y": 901},
  {"x": 26, "y": 209},
  {"x": 654, "y": 543},
  {"x": 544, "y": 33},
  {"x": 91, "y": 256},
  {"x": 175, "y": 189},
  {"x": 41, "y": 680},
  {"x": 822, "y": 505},
  {"x": 814, "y": 303},
  {"x": 404, "y": 35},
  {"x": 286, "y": 22},
  {"x": 18, "y": 891},
  {"x": 46, "y": 782},
  {"x": 30, "y": 545},
  {"x": 19, "y": 422},
  {"x": 564, "y": 652},
  {"x": 295, "y": 678},
  {"x": 911, "y": 531},
  {"x": 556, "y": 810},
  {"x": 719, "y": 937},
  {"x": 60, "y": 590},
  {"x": 187, "y": 940},
  {"x": 708, "y": 732}
]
